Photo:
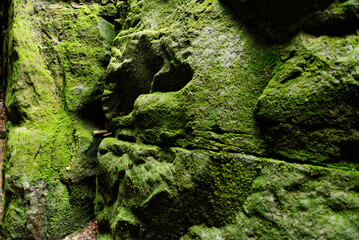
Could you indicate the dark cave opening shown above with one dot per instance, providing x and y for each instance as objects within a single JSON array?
[
  {"x": 93, "y": 112},
  {"x": 109, "y": 18}
]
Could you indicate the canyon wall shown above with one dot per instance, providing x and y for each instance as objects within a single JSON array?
[
  {"x": 54, "y": 55},
  {"x": 229, "y": 119}
]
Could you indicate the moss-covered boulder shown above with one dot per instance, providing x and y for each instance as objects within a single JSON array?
[
  {"x": 202, "y": 76},
  {"x": 309, "y": 110},
  {"x": 54, "y": 55},
  {"x": 145, "y": 192},
  {"x": 258, "y": 138},
  {"x": 292, "y": 201}
]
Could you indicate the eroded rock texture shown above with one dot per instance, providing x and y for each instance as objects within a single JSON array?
[
  {"x": 230, "y": 119},
  {"x": 54, "y": 55}
]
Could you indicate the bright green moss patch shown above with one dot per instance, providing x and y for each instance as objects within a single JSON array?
[
  {"x": 55, "y": 54},
  {"x": 50, "y": 157},
  {"x": 82, "y": 41},
  {"x": 16, "y": 219}
]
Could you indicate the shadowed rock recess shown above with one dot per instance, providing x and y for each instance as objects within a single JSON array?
[{"x": 230, "y": 119}]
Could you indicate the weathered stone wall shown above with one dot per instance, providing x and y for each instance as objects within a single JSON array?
[
  {"x": 230, "y": 119},
  {"x": 234, "y": 120},
  {"x": 54, "y": 55}
]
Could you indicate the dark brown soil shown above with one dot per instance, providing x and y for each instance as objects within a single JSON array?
[{"x": 88, "y": 233}]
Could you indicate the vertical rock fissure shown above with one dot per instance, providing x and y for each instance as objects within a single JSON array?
[
  {"x": 2, "y": 146},
  {"x": 2, "y": 102},
  {"x": 2, "y": 140}
]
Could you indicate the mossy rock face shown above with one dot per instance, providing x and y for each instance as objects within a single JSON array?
[
  {"x": 218, "y": 131},
  {"x": 293, "y": 201},
  {"x": 144, "y": 192},
  {"x": 160, "y": 193},
  {"x": 146, "y": 65},
  {"x": 193, "y": 75},
  {"x": 54, "y": 55},
  {"x": 309, "y": 110},
  {"x": 182, "y": 164}
]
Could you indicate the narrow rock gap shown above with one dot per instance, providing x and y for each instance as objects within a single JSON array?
[
  {"x": 2, "y": 101},
  {"x": 2, "y": 139}
]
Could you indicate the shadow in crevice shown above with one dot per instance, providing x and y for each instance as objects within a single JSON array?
[
  {"x": 331, "y": 24},
  {"x": 148, "y": 65},
  {"x": 3, "y": 23},
  {"x": 109, "y": 18},
  {"x": 278, "y": 21},
  {"x": 93, "y": 112}
]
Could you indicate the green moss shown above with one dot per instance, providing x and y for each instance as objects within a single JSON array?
[
  {"x": 161, "y": 192},
  {"x": 68, "y": 208},
  {"x": 233, "y": 196},
  {"x": 238, "y": 82},
  {"x": 227, "y": 69},
  {"x": 85, "y": 40},
  {"x": 292, "y": 200},
  {"x": 104, "y": 237},
  {"x": 186, "y": 85},
  {"x": 231, "y": 181},
  {"x": 16, "y": 220},
  {"x": 54, "y": 60},
  {"x": 307, "y": 110}
]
